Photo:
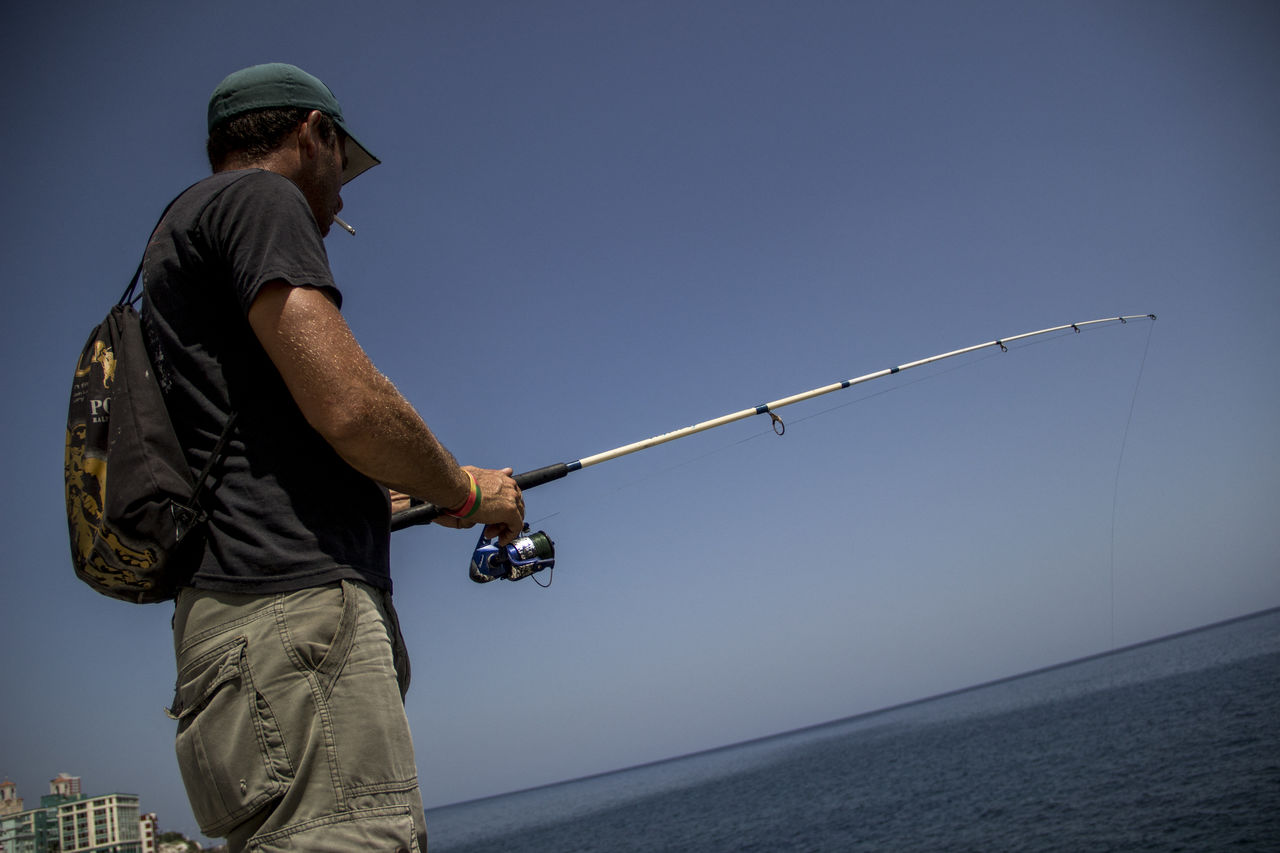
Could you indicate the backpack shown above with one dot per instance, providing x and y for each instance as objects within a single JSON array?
[{"x": 138, "y": 535}]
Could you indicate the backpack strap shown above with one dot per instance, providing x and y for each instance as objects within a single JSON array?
[
  {"x": 128, "y": 296},
  {"x": 219, "y": 449}
]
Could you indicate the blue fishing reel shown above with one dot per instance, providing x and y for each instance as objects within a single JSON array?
[{"x": 528, "y": 554}]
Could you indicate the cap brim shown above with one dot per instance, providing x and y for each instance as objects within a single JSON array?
[{"x": 359, "y": 160}]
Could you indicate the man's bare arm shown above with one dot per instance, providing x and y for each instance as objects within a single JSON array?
[{"x": 360, "y": 412}]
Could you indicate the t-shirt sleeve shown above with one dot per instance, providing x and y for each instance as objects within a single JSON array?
[{"x": 264, "y": 229}]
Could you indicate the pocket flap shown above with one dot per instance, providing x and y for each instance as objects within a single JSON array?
[{"x": 200, "y": 680}]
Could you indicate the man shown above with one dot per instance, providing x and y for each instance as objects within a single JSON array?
[{"x": 291, "y": 668}]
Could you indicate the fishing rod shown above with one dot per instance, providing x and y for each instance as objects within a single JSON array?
[{"x": 533, "y": 552}]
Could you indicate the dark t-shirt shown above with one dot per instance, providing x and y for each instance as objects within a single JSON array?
[{"x": 286, "y": 512}]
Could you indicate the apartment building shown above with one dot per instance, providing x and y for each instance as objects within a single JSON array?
[
  {"x": 106, "y": 824},
  {"x": 74, "y": 822}
]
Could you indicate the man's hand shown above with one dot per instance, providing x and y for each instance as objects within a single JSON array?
[
  {"x": 501, "y": 506},
  {"x": 399, "y": 501}
]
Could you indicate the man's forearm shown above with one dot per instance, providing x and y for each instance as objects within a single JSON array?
[
  {"x": 384, "y": 438},
  {"x": 347, "y": 400}
]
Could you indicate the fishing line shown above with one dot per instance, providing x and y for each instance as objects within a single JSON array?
[{"x": 1115, "y": 492}]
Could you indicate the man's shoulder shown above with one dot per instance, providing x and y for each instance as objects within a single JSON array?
[
  {"x": 240, "y": 182},
  {"x": 235, "y": 200}
]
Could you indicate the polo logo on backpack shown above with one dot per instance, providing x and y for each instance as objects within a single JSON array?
[{"x": 133, "y": 510}]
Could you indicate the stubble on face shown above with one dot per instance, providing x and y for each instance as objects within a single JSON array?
[{"x": 321, "y": 183}]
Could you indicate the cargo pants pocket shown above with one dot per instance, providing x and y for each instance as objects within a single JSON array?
[{"x": 229, "y": 746}]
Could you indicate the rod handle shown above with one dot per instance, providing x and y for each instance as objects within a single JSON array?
[
  {"x": 538, "y": 476},
  {"x": 424, "y": 513}
]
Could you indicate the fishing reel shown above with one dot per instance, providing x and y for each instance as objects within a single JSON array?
[{"x": 528, "y": 554}]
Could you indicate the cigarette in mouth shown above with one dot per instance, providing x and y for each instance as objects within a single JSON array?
[{"x": 345, "y": 226}]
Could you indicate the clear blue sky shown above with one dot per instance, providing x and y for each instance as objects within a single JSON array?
[{"x": 599, "y": 221}]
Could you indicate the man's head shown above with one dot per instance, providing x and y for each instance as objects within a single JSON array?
[
  {"x": 254, "y": 110},
  {"x": 280, "y": 118}
]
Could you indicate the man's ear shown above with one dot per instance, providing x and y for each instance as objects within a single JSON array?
[{"x": 308, "y": 134}]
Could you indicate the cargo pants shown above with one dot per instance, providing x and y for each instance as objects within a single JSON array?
[{"x": 292, "y": 734}]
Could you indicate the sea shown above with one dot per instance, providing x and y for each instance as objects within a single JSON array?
[{"x": 1169, "y": 745}]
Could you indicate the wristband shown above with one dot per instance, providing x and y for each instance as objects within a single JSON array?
[{"x": 472, "y": 504}]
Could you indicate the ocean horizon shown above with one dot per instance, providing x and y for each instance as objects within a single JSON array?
[{"x": 1022, "y": 762}]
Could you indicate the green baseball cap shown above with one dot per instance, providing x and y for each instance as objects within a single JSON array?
[{"x": 278, "y": 84}]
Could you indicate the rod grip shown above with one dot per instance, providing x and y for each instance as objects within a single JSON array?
[
  {"x": 424, "y": 513},
  {"x": 538, "y": 476},
  {"x": 420, "y": 514}
]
